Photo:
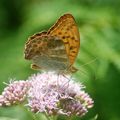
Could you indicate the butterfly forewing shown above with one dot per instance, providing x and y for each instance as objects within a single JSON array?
[{"x": 66, "y": 29}]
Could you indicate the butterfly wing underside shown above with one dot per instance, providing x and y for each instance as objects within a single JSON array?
[
  {"x": 60, "y": 44},
  {"x": 32, "y": 46}
]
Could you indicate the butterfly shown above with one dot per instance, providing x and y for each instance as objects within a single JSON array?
[{"x": 55, "y": 49}]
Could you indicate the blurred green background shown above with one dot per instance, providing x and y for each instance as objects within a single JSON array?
[{"x": 98, "y": 60}]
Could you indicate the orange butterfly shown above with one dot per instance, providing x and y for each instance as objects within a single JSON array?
[{"x": 56, "y": 49}]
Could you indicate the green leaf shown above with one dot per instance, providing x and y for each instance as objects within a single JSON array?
[{"x": 7, "y": 118}]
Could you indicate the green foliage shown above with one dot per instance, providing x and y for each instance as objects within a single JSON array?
[
  {"x": 4, "y": 118},
  {"x": 98, "y": 60}
]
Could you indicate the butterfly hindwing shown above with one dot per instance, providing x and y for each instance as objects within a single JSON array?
[
  {"x": 41, "y": 43},
  {"x": 32, "y": 45}
]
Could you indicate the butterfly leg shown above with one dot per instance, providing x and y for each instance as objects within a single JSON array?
[
  {"x": 71, "y": 69},
  {"x": 66, "y": 84},
  {"x": 59, "y": 87}
]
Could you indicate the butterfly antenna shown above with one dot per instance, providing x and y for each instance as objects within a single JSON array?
[
  {"x": 84, "y": 72},
  {"x": 89, "y": 62}
]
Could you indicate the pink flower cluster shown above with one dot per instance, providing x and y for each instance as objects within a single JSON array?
[
  {"x": 14, "y": 93},
  {"x": 48, "y": 93}
]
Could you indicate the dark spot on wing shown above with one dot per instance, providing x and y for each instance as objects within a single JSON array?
[
  {"x": 63, "y": 37},
  {"x": 34, "y": 45},
  {"x": 66, "y": 42},
  {"x": 71, "y": 55},
  {"x": 67, "y": 36},
  {"x": 72, "y": 38},
  {"x": 32, "y": 37},
  {"x": 73, "y": 51},
  {"x": 71, "y": 47},
  {"x": 67, "y": 29},
  {"x": 59, "y": 33}
]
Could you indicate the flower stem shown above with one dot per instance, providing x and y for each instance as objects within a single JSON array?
[{"x": 28, "y": 112}]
